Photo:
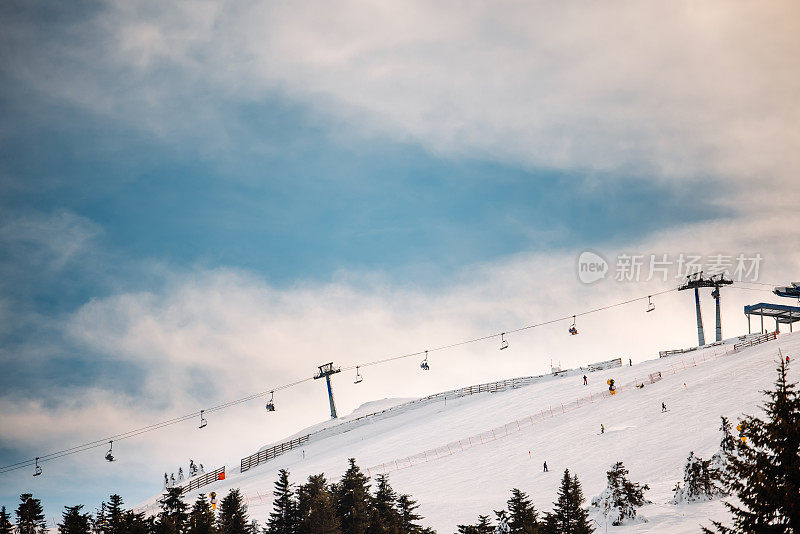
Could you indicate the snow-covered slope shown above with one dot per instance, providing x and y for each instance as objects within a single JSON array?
[{"x": 456, "y": 483}]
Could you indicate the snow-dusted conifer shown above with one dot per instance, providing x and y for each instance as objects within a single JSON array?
[
  {"x": 719, "y": 462},
  {"x": 764, "y": 470},
  {"x": 502, "y": 523},
  {"x": 698, "y": 482},
  {"x": 619, "y": 501}
]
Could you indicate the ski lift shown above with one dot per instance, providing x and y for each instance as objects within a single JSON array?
[
  {"x": 503, "y": 342},
  {"x": 109, "y": 455},
  {"x": 650, "y": 305},
  {"x": 203, "y": 421},
  {"x": 359, "y": 378},
  {"x": 37, "y": 470},
  {"x": 572, "y": 329},
  {"x": 271, "y": 403},
  {"x": 424, "y": 365}
]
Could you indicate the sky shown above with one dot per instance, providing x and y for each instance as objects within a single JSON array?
[{"x": 200, "y": 201}]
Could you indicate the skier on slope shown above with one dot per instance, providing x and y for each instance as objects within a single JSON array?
[
  {"x": 584, "y": 376},
  {"x": 544, "y": 468},
  {"x": 663, "y": 407},
  {"x": 602, "y": 429}
]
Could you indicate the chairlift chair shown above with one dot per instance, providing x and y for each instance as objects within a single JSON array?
[
  {"x": 503, "y": 342},
  {"x": 572, "y": 329},
  {"x": 203, "y": 421},
  {"x": 424, "y": 365},
  {"x": 359, "y": 378},
  {"x": 650, "y": 305},
  {"x": 271, "y": 403},
  {"x": 37, "y": 470},
  {"x": 109, "y": 454}
]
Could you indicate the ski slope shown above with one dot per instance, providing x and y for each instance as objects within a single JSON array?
[{"x": 453, "y": 484}]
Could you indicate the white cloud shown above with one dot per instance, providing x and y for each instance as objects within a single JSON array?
[
  {"x": 666, "y": 90},
  {"x": 214, "y": 336}
]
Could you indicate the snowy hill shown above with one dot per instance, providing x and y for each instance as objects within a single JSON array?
[{"x": 461, "y": 456}]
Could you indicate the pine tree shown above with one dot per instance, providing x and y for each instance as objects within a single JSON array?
[
  {"x": 484, "y": 525},
  {"x": 568, "y": 516},
  {"x": 73, "y": 521},
  {"x": 316, "y": 507},
  {"x": 283, "y": 519},
  {"x": 133, "y": 523},
  {"x": 172, "y": 519},
  {"x": 523, "y": 518},
  {"x": 502, "y": 522},
  {"x": 201, "y": 518},
  {"x": 764, "y": 470},
  {"x": 405, "y": 508},
  {"x": 619, "y": 501},
  {"x": 698, "y": 481},
  {"x": 719, "y": 462},
  {"x": 385, "y": 517},
  {"x": 233, "y": 514},
  {"x": 30, "y": 517},
  {"x": 99, "y": 520},
  {"x": 114, "y": 523},
  {"x": 5, "y": 522},
  {"x": 353, "y": 506}
]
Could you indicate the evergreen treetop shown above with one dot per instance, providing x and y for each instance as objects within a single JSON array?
[
  {"x": 568, "y": 515},
  {"x": 73, "y": 521},
  {"x": 233, "y": 514},
  {"x": 30, "y": 516},
  {"x": 6, "y": 527},
  {"x": 764, "y": 469},
  {"x": 523, "y": 518}
]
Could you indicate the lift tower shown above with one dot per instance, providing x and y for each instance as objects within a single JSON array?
[
  {"x": 696, "y": 281},
  {"x": 326, "y": 371}
]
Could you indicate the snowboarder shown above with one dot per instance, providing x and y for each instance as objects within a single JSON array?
[
  {"x": 584, "y": 377},
  {"x": 544, "y": 468},
  {"x": 663, "y": 407},
  {"x": 602, "y": 429}
]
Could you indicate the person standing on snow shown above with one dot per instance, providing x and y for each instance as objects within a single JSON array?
[
  {"x": 544, "y": 468},
  {"x": 584, "y": 376},
  {"x": 663, "y": 407},
  {"x": 602, "y": 429}
]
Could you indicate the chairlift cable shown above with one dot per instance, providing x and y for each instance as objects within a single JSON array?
[{"x": 169, "y": 422}]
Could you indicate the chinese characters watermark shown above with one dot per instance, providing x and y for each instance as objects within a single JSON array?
[{"x": 646, "y": 267}]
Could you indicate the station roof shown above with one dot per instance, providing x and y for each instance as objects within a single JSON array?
[{"x": 783, "y": 313}]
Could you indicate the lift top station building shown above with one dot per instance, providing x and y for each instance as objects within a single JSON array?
[
  {"x": 780, "y": 312},
  {"x": 325, "y": 371},
  {"x": 696, "y": 281}
]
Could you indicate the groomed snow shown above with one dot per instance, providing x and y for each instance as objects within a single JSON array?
[{"x": 697, "y": 387}]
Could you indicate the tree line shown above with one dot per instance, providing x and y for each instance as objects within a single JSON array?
[
  {"x": 761, "y": 469},
  {"x": 319, "y": 507}
]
